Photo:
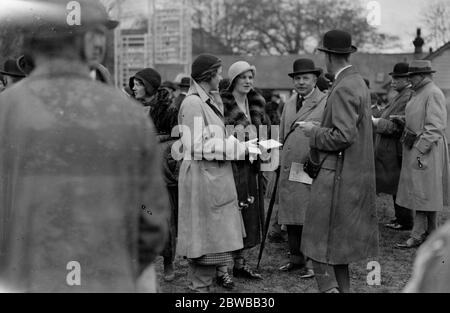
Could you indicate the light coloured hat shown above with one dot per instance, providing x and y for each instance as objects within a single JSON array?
[
  {"x": 420, "y": 67},
  {"x": 239, "y": 68}
]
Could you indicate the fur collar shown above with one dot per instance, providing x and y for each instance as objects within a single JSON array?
[{"x": 234, "y": 116}]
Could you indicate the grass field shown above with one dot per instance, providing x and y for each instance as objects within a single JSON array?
[{"x": 396, "y": 266}]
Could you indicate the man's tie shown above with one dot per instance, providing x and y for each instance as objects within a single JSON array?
[{"x": 299, "y": 102}]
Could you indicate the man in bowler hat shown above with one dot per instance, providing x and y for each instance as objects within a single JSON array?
[
  {"x": 83, "y": 205},
  {"x": 341, "y": 223},
  {"x": 388, "y": 149},
  {"x": 306, "y": 105}
]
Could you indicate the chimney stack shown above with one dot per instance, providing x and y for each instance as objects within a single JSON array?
[{"x": 418, "y": 45}]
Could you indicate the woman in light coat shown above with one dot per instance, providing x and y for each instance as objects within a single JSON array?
[{"x": 209, "y": 221}]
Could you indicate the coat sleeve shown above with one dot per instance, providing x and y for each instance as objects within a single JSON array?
[
  {"x": 154, "y": 210},
  {"x": 387, "y": 127},
  {"x": 435, "y": 122},
  {"x": 342, "y": 133},
  {"x": 206, "y": 141}
]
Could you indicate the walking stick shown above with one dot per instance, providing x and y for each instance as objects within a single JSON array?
[
  {"x": 268, "y": 217},
  {"x": 261, "y": 199}
]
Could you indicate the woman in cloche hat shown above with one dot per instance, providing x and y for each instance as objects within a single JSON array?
[
  {"x": 243, "y": 106},
  {"x": 209, "y": 222}
]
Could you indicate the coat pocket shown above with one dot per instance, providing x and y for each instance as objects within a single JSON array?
[
  {"x": 420, "y": 175},
  {"x": 219, "y": 184},
  {"x": 420, "y": 161}
]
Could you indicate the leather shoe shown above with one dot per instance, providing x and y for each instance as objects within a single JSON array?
[
  {"x": 169, "y": 272},
  {"x": 246, "y": 272},
  {"x": 306, "y": 273},
  {"x": 225, "y": 281},
  {"x": 409, "y": 244},
  {"x": 291, "y": 267},
  {"x": 397, "y": 226}
]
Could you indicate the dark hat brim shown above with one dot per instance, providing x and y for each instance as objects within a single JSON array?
[
  {"x": 398, "y": 74},
  {"x": 316, "y": 71},
  {"x": 352, "y": 49},
  {"x": 12, "y": 74},
  {"x": 421, "y": 72},
  {"x": 111, "y": 24}
]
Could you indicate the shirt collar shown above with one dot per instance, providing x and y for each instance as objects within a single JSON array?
[
  {"x": 310, "y": 94},
  {"x": 341, "y": 70}
]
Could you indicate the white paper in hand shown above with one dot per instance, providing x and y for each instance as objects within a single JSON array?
[
  {"x": 254, "y": 150},
  {"x": 269, "y": 144},
  {"x": 297, "y": 174}
]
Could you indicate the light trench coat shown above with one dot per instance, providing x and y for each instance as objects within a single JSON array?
[
  {"x": 426, "y": 188},
  {"x": 294, "y": 196},
  {"x": 209, "y": 220}
]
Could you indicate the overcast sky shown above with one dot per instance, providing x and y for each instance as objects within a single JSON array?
[{"x": 401, "y": 18}]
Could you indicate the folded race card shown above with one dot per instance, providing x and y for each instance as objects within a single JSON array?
[
  {"x": 254, "y": 150},
  {"x": 269, "y": 144},
  {"x": 297, "y": 174}
]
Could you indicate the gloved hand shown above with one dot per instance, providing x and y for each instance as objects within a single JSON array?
[
  {"x": 251, "y": 147},
  {"x": 375, "y": 121}
]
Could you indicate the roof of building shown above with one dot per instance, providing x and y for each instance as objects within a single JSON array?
[
  {"x": 438, "y": 52},
  {"x": 271, "y": 71}
]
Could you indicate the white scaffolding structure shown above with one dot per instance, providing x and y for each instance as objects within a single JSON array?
[{"x": 153, "y": 33}]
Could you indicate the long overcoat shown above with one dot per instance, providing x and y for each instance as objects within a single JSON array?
[
  {"x": 79, "y": 172},
  {"x": 245, "y": 172},
  {"x": 388, "y": 149},
  {"x": 425, "y": 179},
  {"x": 209, "y": 220},
  {"x": 294, "y": 196},
  {"x": 341, "y": 223}
]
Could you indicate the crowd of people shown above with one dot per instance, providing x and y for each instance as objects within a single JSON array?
[{"x": 91, "y": 174}]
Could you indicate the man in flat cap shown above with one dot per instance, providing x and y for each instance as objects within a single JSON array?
[
  {"x": 341, "y": 223},
  {"x": 425, "y": 176},
  {"x": 83, "y": 205},
  {"x": 388, "y": 149}
]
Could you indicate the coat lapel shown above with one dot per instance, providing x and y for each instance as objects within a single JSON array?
[{"x": 309, "y": 104}]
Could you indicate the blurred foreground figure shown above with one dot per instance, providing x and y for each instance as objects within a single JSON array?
[
  {"x": 11, "y": 73},
  {"x": 82, "y": 196},
  {"x": 432, "y": 266}
]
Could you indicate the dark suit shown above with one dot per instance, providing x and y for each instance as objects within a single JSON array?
[{"x": 388, "y": 154}]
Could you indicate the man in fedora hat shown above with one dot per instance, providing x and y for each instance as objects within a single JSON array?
[
  {"x": 425, "y": 178},
  {"x": 341, "y": 223},
  {"x": 307, "y": 104},
  {"x": 83, "y": 204},
  {"x": 388, "y": 149},
  {"x": 11, "y": 73}
]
